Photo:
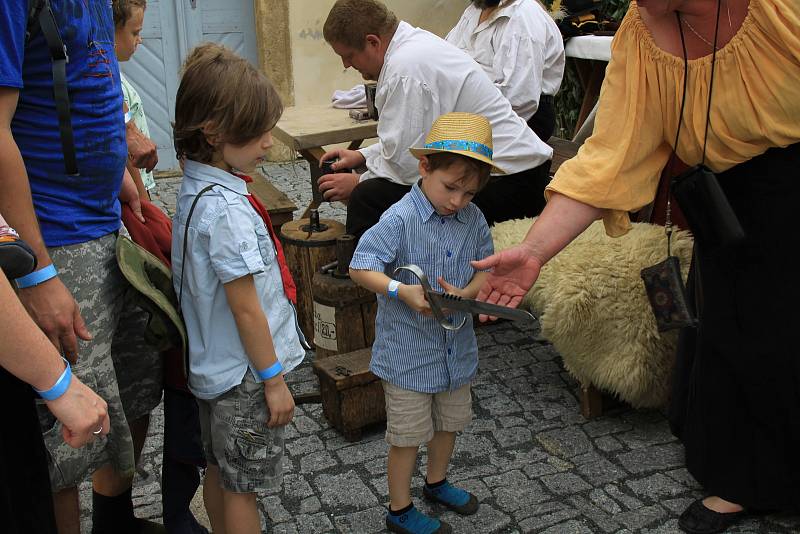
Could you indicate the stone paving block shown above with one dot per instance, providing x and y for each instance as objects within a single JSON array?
[
  {"x": 605, "y": 425},
  {"x": 656, "y": 486},
  {"x": 515, "y": 459},
  {"x": 487, "y": 519},
  {"x": 535, "y": 471},
  {"x": 345, "y": 490},
  {"x": 602, "y": 471},
  {"x": 364, "y": 521},
  {"x": 305, "y": 425},
  {"x": 314, "y": 523},
  {"x": 600, "y": 518},
  {"x": 647, "y": 435},
  {"x": 565, "y": 483},
  {"x": 677, "y": 506},
  {"x": 628, "y": 501},
  {"x": 472, "y": 445},
  {"x": 558, "y": 519},
  {"x": 296, "y": 486},
  {"x": 362, "y": 452},
  {"x": 570, "y": 527},
  {"x": 512, "y": 437},
  {"x": 601, "y": 499},
  {"x": 272, "y": 507},
  {"x": 500, "y": 404},
  {"x": 480, "y": 424},
  {"x": 310, "y": 505},
  {"x": 304, "y": 445},
  {"x": 381, "y": 485},
  {"x": 655, "y": 458},
  {"x": 316, "y": 461},
  {"x": 683, "y": 476},
  {"x": 641, "y": 517},
  {"x": 565, "y": 442},
  {"x": 607, "y": 444}
]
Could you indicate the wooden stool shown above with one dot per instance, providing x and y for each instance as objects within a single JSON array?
[{"x": 352, "y": 397}]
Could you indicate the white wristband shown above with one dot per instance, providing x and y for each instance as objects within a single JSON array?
[{"x": 392, "y": 289}]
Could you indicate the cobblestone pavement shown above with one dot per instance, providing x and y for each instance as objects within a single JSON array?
[{"x": 535, "y": 464}]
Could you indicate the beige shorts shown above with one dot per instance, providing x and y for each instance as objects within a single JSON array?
[{"x": 413, "y": 417}]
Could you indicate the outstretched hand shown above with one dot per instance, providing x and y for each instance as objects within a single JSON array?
[{"x": 513, "y": 272}]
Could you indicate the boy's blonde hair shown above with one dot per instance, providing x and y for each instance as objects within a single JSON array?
[
  {"x": 122, "y": 10},
  {"x": 224, "y": 96},
  {"x": 350, "y": 21}
]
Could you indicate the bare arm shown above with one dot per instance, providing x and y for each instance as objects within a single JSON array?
[
  {"x": 256, "y": 337},
  {"x": 27, "y": 354},
  {"x": 515, "y": 270},
  {"x": 50, "y": 303},
  {"x": 412, "y": 295}
]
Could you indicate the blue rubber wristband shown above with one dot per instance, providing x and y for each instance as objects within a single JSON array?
[
  {"x": 271, "y": 371},
  {"x": 60, "y": 387},
  {"x": 394, "y": 287},
  {"x": 37, "y": 277}
]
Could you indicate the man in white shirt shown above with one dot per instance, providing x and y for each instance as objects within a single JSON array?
[
  {"x": 519, "y": 46},
  {"x": 421, "y": 76}
]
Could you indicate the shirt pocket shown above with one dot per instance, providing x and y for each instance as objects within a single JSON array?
[
  {"x": 265, "y": 245},
  {"x": 424, "y": 260}
]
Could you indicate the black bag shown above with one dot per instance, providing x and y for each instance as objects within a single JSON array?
[{"x": 707, "y": 210}]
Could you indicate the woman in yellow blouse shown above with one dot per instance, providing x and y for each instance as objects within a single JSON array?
[{"x": 736, "y": 397}]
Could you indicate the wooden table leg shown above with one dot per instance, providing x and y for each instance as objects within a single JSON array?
[{"x": 313, "y": 156}]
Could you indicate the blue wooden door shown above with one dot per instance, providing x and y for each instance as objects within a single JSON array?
[{"x": 171, "y": 29}]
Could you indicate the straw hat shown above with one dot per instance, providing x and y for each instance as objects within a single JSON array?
[
  {"x": 153, "y": 281},
  {"x": 467, "y": 134}
]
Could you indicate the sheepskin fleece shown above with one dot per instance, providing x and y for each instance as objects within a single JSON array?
[{"x": 592, "y": 306}]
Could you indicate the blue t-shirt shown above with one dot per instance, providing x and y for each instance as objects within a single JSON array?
[{"x": 71, "y": 209}]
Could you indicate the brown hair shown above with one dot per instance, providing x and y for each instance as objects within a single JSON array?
[
  {"x": 350, "y": 21},
  {"x": 222, "y": 95},
  {"x": 470, "y": 167},
  {"x": 122, "y": 10}
]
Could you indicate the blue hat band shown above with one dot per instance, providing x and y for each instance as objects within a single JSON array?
[{"x": 460, "y": 144}]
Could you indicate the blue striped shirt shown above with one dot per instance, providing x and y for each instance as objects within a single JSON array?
[{"x": 411, "y": 350}]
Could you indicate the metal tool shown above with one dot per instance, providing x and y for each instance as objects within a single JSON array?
[{"x": 448, "y": 301}]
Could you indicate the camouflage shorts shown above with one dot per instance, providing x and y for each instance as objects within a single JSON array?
[
  {"x": 236, "y": 438},
  {"x": 90, "y": 272}
]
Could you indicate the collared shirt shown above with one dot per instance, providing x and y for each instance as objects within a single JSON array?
[
  {"x": 519, "y": 46},
  {"x": 136, "y": 110},
  {"x": 227, "y": 240},
  {"x": 423, "y": 77},
  {"x": 411, "y": 350}
]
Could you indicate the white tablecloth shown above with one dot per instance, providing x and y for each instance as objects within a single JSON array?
[{"x": 589, "y": 47}]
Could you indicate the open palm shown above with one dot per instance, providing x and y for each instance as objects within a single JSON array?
[{"x": 513, "y": 272}]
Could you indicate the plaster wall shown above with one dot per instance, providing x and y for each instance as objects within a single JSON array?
[{"x": 318, "y": 71}]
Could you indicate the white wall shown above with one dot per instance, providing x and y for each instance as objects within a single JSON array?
[{"x": 318, "y": 71}]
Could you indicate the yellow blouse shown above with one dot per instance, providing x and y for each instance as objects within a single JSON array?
[{"x": 755, "y": 106}]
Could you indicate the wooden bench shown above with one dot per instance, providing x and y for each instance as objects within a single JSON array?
[
  {"x": 280, "y": 207},
  {"x": 562, "y": 151},
  {"x": 352, "y": 397}
]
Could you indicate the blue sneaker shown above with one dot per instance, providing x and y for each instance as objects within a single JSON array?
[
  {"x": 415, "y": 522},
  {"x": 456, "y": 499}
]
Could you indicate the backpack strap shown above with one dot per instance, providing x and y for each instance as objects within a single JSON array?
[
  {"x": 41, "y": 11},
  {"x": 186, "y": 238}
]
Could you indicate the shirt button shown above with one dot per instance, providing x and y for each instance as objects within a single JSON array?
[
  {"x": 442, "y": 221},
  {"x": 449, "y": 253},
  {"x": 449, "y": 351}
]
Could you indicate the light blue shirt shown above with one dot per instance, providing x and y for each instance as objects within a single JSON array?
[
  {"x": 227, "y": 240},
  {"x": 411, "y": 350}
]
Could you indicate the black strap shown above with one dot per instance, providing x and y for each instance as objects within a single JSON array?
[
  {"x": 183, "y": 265},
  {"x": 41, "y": 11},
  {"x": 186, "y": 238},
  {"x": 668, "y": 223}
]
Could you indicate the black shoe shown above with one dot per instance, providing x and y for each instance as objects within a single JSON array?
[{"x": 697, "y": 519}]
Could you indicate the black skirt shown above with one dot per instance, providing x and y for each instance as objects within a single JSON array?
[{"x": 736, "y": 389}]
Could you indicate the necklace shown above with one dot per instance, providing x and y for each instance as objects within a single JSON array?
[{"x": 730, "y": 26}]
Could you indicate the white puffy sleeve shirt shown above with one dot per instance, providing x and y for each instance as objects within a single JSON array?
[{"x": 519, "y": 47}]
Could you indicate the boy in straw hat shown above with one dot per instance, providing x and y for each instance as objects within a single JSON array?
[{"x": 426, "y": 370}]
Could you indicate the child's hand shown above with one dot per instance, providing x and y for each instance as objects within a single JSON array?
[
  {"x": 414, "y": 297},
  {"x": 279, "y": 401}
]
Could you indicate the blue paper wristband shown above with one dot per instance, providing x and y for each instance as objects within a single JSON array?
[
  {"x": 60, "y": 387},
  {"x": 392, "y": 289},
  {"x": 271, "y": 371},
  {"x": 37, "y": 277}
]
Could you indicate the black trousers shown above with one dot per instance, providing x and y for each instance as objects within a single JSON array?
[
  {"x": 543, "y": 122},
  {"x": 26, "y": 501},
  {"x": 514, "y": 196}
]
